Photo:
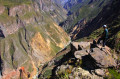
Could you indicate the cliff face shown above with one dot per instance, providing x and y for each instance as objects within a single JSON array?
[{"x": 29, "y": 36}]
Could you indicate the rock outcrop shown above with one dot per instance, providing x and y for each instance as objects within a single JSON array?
[
  {"x": 100, "y": 57},
  {"x": 84, "y": 64},
  {"x": 103, "y": 58}
]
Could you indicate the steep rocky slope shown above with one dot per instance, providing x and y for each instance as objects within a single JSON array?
[
  {"x": 87, "y": 16},
  {"x": 104, "y": 17},
  {"x": 29, "y": 36},
  {"x": 71, "y": 3},
  {"x": 110, "y": 15},
  {"x": 86, "y": 60},
  {"x": 81, "y": 12}
]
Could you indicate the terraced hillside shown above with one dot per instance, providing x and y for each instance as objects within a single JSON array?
[{"x": 29, "y": 35}]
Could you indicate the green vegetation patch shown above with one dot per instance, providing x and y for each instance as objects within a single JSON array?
[
  {"x": 5, "y": 18},
  {"x": 97, "y": 33},
  {"x": 113, "y": 74},
  {"x": 12, "y": 49},
  {"x": 48, "y": 73},
  {"x": 30, "y": 69},
  {"x": 117, "y": 44},
  {"x": 54, "y": 48}
]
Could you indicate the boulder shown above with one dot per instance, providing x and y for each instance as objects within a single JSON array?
[
  {"x": 80, "y": 54},
  {"x": 100, "y": 72},
  {"x": 75, "y": 46},
  {"x": 84, "y": 44},
  {"x": 102, "y": 58},
  {"x": 71, "y": 77},
  {"x": 80, "y": 73},
  {"x": 51, "y": 63},
  {"x": 62, "y": 69}
]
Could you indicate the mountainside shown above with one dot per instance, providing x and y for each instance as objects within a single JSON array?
[
  {"x": 61, "y": 2},
  {"x": 86, "y": 59},
  {"x": 71, "y": 3},
  {"x": 33, "y": 46},
  {"x": 29, "y": 36},
  {"x": 86, "y": 16},
  {"x": 83, "y": 11},
  {"x": 103, "y": 17},
  {"x": 110, "y": 15}
]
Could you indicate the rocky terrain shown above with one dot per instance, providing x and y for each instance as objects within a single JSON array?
[
  {"x": 34, "y": 46},
  {"x": 85, "y": 60}
]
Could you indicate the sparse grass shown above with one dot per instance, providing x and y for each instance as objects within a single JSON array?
[
  {"x": 30, "y": 69},
  {"x": 85, "y": 11},
  {"x": 28, "y": 15},
  {"x": 60, "y": 57},
  {"x": 48, "y": 73},
  {"x": 113, "y": 74},
  {"x": 51, "y": 31},
  {"x": 54, "y": 48},
  {"x": 64, "y": 75},
  {"x": 5, "y": 18},
  {"x": 118, "y": 35},
  {"x": 10, "y": 3},
  {"x": 117, "y": 43},
  {"x": 12, "y": 49},
  {"x": 83, "y": 39},
  {"x": 2, "y": 42},
  {"x": 78, "y": 63},
  {"x": 97, "y": 33},
  {"x": 15, "y": 64}
]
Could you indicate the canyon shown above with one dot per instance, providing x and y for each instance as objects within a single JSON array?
[
  {"x": 29, "y": 36},
  {"x": 38, "y": 39}
]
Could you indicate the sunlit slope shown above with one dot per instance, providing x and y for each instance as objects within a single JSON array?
[{"x": 31, "y": 35}]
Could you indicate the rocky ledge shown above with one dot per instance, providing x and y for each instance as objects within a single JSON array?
[{"x": 85, "y": 60}]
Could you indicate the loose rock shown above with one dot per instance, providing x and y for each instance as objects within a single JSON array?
[{"x": 80, "y": 54}]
